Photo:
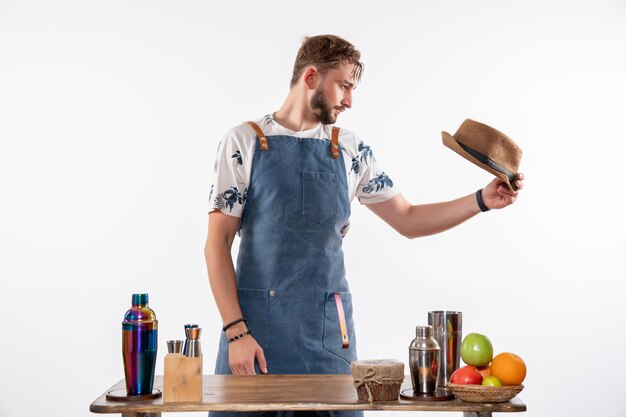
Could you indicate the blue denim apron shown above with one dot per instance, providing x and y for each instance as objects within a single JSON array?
[{"x": 290, "y": 271}]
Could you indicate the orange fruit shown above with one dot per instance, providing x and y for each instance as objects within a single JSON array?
[{"x": 509, "y": 368}]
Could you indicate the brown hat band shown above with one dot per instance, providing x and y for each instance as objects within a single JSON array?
[{"x": 490, "y": 163}]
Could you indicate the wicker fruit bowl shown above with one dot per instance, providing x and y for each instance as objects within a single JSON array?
[{"x": 484, "y": 394}]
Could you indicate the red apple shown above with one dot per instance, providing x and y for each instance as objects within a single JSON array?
[{"x": 466, "y": 375}]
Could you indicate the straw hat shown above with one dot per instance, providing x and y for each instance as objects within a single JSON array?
[{"x": 487, "y": 148}]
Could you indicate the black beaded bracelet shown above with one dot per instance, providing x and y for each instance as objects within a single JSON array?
[
  {"x": 481, "y": 203},
  {"x": 232, "y": 323},
  {"x": 239, "y": 336}
]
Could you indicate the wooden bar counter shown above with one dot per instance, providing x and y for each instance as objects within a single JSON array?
[{"x": 288, "y": 392}]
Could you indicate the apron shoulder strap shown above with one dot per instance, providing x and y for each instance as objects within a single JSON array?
[
  {"x": 334, "y": 143},
  {"x": 334, "y": 140},
  {"x": 262, "y": 139}
]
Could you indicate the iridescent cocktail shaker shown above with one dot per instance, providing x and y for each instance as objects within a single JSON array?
[{"x": 139, "y": 346}]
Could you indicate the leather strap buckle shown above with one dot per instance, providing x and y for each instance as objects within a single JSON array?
[
  {"x": 334, "y": 143},
  {"x": 262, "y": 139}
]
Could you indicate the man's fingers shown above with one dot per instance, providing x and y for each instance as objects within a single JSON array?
[
  {"x": 242, "y": 368},
  {"x": 504, "y": 190},
  {"x": 260, "y": 356},
  {"x": 249, "y": 367},
  {"x": 519, "y": 181}
]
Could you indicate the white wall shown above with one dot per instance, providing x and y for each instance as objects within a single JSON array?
[{"x": 111, "y": 112}]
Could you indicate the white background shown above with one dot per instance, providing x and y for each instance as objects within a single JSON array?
[{"x": 110, "y": 116}]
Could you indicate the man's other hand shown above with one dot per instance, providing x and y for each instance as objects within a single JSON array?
[{"x": 241, "y": 355}]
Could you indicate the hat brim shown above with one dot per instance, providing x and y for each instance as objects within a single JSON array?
[{"x": 450, "y": 142}]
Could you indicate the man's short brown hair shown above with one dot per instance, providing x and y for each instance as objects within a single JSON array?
[{"x": 324, "y": 52}]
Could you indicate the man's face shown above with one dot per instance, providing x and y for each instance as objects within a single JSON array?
[{"x": 333, "y": 94}]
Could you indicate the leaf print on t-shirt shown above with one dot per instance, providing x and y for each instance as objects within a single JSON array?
[
  {"x": 237, "y": 155},
  {"x": 356, "y": 167},
  {"x": 378, "y": 183},
  {"x": 270, "y": 119},
  {"x": 365, "y": 151},
  {"x": 228, "y": 199},
  {"x": 364, "y": 154}
]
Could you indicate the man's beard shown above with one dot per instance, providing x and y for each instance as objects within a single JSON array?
[{"x": 318, "y": 102}]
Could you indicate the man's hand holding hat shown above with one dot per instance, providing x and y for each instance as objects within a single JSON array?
[
  {"x": 494, "y": 152},
  {"x": 497, "y": 194}
]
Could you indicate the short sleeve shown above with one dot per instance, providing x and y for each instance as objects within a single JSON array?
[
  {"x": 231, "y": 175},
  {"x": 374, "y": 185}
]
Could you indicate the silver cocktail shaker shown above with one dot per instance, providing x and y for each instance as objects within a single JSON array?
[
  {"x": 447, "y": 331},
  {"x": 424, "y": 361}
]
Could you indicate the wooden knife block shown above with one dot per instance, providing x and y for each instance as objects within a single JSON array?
[{"x": 182, "y": 378}]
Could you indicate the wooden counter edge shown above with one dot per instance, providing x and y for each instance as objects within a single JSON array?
[
  {"x": 377, "y": 406},
  {"x": 102, "y": 406}
]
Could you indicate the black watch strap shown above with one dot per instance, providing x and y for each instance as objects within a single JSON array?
[{"x": 481, "y": 203}]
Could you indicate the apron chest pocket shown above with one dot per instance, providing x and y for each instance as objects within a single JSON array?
[
  {"x": 333, "y": 336},
  {"x": 319, "y": 196},
  {"x": 255, "y": 308}
]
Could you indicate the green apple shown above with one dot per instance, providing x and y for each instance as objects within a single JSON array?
[
  {"x": 476, "y": 349},
  {"x": 491, "y": 381}
]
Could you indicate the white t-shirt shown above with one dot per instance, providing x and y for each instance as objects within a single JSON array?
[{"x": 366, "y": 179}]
